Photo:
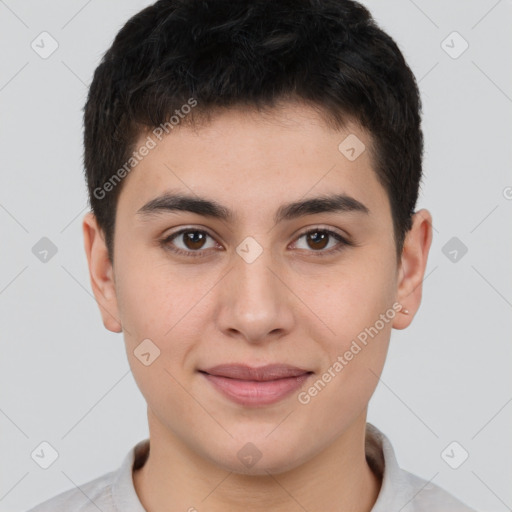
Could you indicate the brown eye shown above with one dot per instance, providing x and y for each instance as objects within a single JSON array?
[
  {"x": 193, "y": 240},
  {"x": 190, "y": 242},
  {"x": 317, "y": 239},
  {"x": 322, "y": 241}
]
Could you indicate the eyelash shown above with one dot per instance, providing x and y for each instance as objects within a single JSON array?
[{"x": 343, "y": 242}]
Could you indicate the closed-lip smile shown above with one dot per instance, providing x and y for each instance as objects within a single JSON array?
[{"x": 256, "y": 386}]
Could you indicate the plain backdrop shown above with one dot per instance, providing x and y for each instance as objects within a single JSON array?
[{"x": 65, "y": 380}]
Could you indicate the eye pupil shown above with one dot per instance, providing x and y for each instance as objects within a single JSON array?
[
  {"x": 196, "y": 238},
  {"x": 318, "y": 236}
]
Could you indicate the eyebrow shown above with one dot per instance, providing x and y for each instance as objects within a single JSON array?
[{"x": 169, "y": 202}]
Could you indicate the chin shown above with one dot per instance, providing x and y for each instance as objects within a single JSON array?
[{"x": 259, "y": 459}]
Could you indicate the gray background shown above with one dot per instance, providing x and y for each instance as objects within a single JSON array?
[{"x": 64, "y": 379}]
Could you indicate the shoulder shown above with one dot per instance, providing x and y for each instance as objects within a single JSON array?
[
  {"x": 111, "y": 492},
  {"x": 428, "y": 497},
  {"x": 401, "y": 490},
  {"x": 91, "y": 496}
]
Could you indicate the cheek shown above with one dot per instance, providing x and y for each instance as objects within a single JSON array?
[
  {"x": 160, "y": 304},
  {"x": 357, "y": 306},
  {"x": 346, "y": 382},
  {"x": 352, "y": 298},
  {"x": 153, "y": 306},
  {"x": 149, "y": 294}
]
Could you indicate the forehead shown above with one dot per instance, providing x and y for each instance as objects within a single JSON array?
[{"x": 253, "y": 160}]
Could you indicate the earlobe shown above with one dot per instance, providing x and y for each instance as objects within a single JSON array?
[
  {"x": 412, "y": 267},
  {"x": 101, "y": 273}
]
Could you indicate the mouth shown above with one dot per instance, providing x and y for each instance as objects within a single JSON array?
[{"x": 259, "y": 386}]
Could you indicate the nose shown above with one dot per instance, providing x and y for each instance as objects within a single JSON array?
[{"x": 255, "y": 303}]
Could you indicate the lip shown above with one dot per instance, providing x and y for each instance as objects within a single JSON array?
[{"x": 251, "y": 386}]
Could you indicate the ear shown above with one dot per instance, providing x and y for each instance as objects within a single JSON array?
[
  {"x": 101, "y": 273},
  {"x": 412, "y": 267}
]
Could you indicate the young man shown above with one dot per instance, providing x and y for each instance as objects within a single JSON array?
[{"x": 253, "y": 169}]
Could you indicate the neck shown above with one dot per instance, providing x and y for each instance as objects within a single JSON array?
[{"x": 177, "y": 478}]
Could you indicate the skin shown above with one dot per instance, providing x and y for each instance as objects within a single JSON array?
[{"x": 288, "y": 306}]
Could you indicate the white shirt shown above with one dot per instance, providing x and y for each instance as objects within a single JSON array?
[{"x": 400, "y": 490}]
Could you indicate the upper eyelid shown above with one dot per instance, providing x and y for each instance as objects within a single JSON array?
[
  {"x": 185, "y": 230},
  {"x": 331, "y": 231},
  {"x": 320, "y": 228}
]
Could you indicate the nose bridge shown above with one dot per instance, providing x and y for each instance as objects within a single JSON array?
[
  {"x": 254, "y": 281},
  {"x": 255, "y": 303}
]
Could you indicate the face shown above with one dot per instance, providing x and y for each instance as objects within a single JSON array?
[{"x": 252, "y": 280}]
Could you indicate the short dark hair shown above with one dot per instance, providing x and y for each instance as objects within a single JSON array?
[{"x": 329, "y": 54}]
